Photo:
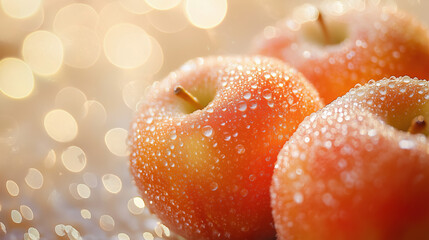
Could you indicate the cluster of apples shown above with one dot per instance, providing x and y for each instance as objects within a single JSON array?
[{"x": 243, "y": 147}]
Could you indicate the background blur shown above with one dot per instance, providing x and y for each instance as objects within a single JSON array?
[{"x": 71, "y": 73}]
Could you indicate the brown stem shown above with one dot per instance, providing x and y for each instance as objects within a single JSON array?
[
  {"x": 418, "y": 125},
  {"x": 187, "y": 96},
  {"x": 325, "y": 31}
]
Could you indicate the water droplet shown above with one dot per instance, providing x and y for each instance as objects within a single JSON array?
[
  {"x": 267, "y": 94},
  {"x": 242, "y": 106},
  {"x": 240, "y": 149},
  {"x": 406, "y": 144},
  {"x": 207, "y": 131},
  {"x": 298, "y": 197},
  {"x": 213, "y": 186},
  {"x": 247, "y": 95}
]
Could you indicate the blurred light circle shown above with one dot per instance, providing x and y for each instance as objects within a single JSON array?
[
  {"x": 34, "y": 178},
  {"x": 12, "y": 188},
  {"x": 74, "y": 159},
  {"x": 127, "y": 45},
  {"x": 163, "y": 4},
  {"x": 75, "y": 14},
  {"x": 155, "y": 60},
  {"x": 206, "y": 13},
  {"x": 170, "y": 21},
  {"x": 71, "y": 99},
  {"x": 115, "y": 140},
  {"x": 60, "y": 125},
  {"x": 20, "y": 8},
  {"x": 94, "y": 112},
  {"x": 16, "y": 78},
  {"x": 107, "y": 223},
  {"x": 112, "y": 183},
  {"x": 135, "y": 6},
  {"x": 81, "y": 46},
  {"x": 43, "y": 51}
]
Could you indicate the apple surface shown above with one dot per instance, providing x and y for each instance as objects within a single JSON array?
[
  {"x": 337, "y": 52},
  {"x": 358, "y": 168},
  {"x": 203, "y": 162}
]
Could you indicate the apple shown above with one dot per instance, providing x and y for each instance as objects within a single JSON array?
[
  {"x": 358, "y": 168},
  {"x": 337, "y": 52},
  {"x": 205, "y": 139}
]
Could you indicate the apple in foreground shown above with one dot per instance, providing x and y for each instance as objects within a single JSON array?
[
  {"x": 337, "y": 52},
  {"x": 205, "y": 139},
  {"x": 358, "y": 168}
]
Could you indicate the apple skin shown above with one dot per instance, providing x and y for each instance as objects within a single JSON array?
[
  {"x": 206, "y": 174},
  {"x": 378, "y": 44},
  {"x": 350, "y": 171}
]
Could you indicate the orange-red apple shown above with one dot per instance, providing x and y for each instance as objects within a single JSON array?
[
  {"x": 205, "y": 140},
  {"x": 358, "y": 168},
  {"x": 341, "y": 51}
]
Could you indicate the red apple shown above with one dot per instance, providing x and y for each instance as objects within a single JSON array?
[
  {"x": 206, "y": 172},
  {"x": 358, "y": 168},
  {"x": 337, "y": 52}
]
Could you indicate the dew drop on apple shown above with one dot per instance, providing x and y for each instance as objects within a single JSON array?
[
  {"x": 406, "y": 144},
  {"x": 207, "y": 131},
  {"x": 214, "y": 186},
  {"x": 267, "y": 94},
  {"x": 298, "y": 197},
  {"x": 247, "y": 95},
  {"x": 240, "y": 149},
  {"x": 242, "y": 106},
  {"x": 253, "y": 104},
  {"x": 149, "y": 120}
]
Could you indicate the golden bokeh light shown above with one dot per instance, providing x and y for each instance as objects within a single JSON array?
[
  {"x": 12, "y": 188},
  {"x": 206, "y": 14},
  {"x": 43, "y": 51},
  {"x": 16, "y": 78},
  {"x": 26, "y": 212},
  {"x": 123, "y": 236},
  {"x": 75, "y": 14},
  {"x": 60, "y": 125},
  {"x": 163, "y": 4},
  {"x": 136, "y": 205},
  {"x": 83, "y": 190},
  {"x": 85, "y": 213},
  {"x": 71, "y": 100},
  {"x": 16, "y": 216},
  {"x": 20, "y": 8},
  {"x": 148, "y": 236},
  {"x": 115, "y": 140},
  {"x": 82, "y": 46},
  {"x": 107, "y": 223},
  {"x": 74, "y": 159},
  {"x": 34, "y": 178},
  {"x": 112, "y": 183},
  {"x": 94, "y": 112},
  {"x": 170, "y": 21},
  {"x": 135, "y": 6},
  {"x": 127, "y": 45}
]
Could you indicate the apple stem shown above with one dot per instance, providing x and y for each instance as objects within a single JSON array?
[
  {"x": 188, "y": 97},
  {"x": 321, "y": 21},
  {"x": 418, "y": 125}
]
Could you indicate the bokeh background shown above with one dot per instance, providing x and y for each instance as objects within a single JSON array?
[{"x": 71, "y": 74}]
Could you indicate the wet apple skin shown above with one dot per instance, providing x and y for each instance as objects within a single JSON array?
[
  {"x": 215, "y": 185},
  {"x": 379, "y": 43},
  {"x": 347, "y": 174}
]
